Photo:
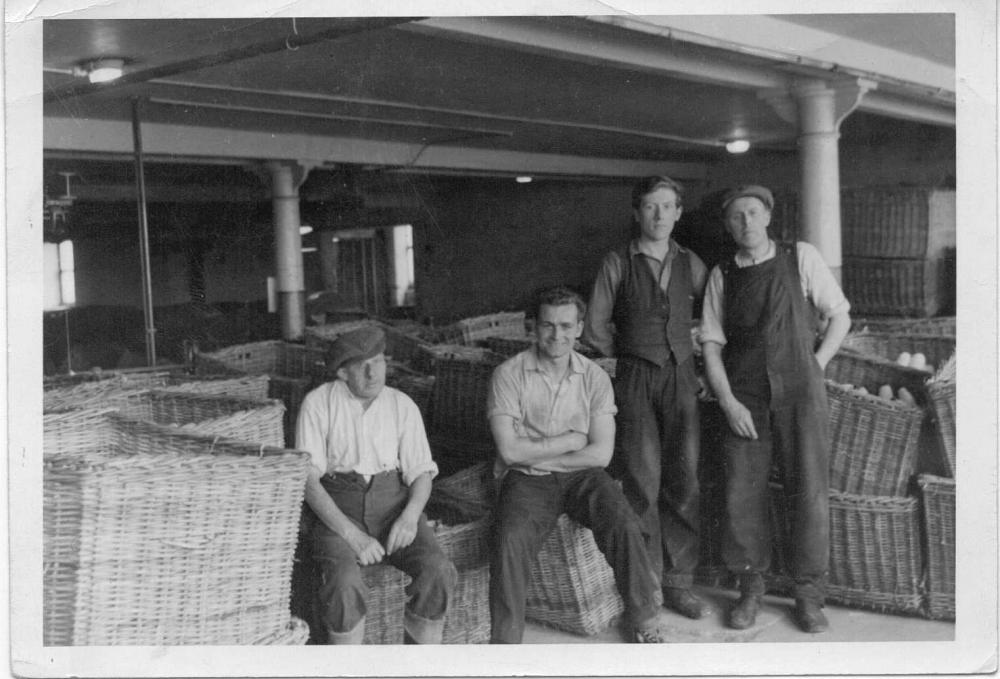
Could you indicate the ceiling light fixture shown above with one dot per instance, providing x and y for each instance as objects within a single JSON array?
[
  {"x": 738, "y": 146},
  {"x": 523, "y": 180},
  {"x": 102, "y": 70},
  {"x": 309, "y": 249}
]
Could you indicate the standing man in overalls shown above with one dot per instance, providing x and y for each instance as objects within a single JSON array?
[
  {"x": 763, "y": 361},
  {"x": 649, "y": 290}
]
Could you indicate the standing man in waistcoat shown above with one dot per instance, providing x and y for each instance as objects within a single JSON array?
[
  {"x": 766, "y": 368},
  {"x": 648, "y": 290}
]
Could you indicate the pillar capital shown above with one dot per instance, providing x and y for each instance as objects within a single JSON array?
[
  {"x": 292, "y": 173},
  {"x": 805, "y": 99}
]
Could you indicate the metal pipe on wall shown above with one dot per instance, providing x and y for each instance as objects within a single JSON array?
[{"x": 147, "y": 283}]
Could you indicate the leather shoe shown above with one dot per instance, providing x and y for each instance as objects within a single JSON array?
[
  {"x": 684, "y": 602},
  {"x": 744, "y": 612},
  {"x": 809, "y": 616}
]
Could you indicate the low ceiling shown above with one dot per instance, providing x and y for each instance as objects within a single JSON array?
[{"x": 589, "y": 89}]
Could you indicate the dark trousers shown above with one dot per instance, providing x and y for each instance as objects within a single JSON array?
[
  {"x": 656, "y": 456},
  {"x": 374, "y": 506},
  {"x": 528, "y": 509},
  {"x": 796, "y": 439}
]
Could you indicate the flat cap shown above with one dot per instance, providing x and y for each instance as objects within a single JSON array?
[
  {"x": 761, "y": 193},
  {"x": 360, "y": 344}
]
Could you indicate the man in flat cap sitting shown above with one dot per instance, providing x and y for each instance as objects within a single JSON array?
[
  {"x": 369, "y": 481},
  {"x": 765, "y": 360}
]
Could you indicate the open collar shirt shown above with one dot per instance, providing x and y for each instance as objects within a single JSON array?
[
  {"x": 542, "y": 407},
  {"x": 341, "y": 436}
]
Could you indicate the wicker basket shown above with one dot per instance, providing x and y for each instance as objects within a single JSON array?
[
  {"x": 406, "y": 348},
  {"x": 941, "y": 392},
  {"x": 889, "y": 345},
  {"x": 295, "y": 633},
  {"x": 873, "y": 442},
  {"x": 458, "y": 400},
  {"x": 938, "y": 515},
  {"x": 181, "y": 539},
  {"x": 80, "y": 430},
  {"x": 253, "y": 387},
  {"x": 871, "y": 372},
  {"x": 876, "y": 559},
  {"x": 468, "y": 620},
  {"x": 910, "y": 287},
  {"x": 940, "y": 325},
  {"x": 320, "y": 337},
  {"x": 417, "y": 387},
  {"x": 239, "y": 419},
  {"x": 272, "y": 357},
  {"x": 503, "y": 324},
  {"x": 93, "y": 389},
  {"x": 572, "y": 587},
  {"x": 508, "y": 346},
  {"x": 897, "y": 221},
  {"x": 386, "y": 601}
]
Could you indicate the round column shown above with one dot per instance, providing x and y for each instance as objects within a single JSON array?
[{"x": 288, "y": 250}]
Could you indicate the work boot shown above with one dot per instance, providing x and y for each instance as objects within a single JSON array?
[
  {"x": 809, "y": 616},
  {"x": 683, "y": 601},
  {"x": 744, "y": 612}
]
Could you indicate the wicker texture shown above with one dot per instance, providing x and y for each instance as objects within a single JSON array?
[
  {"x": 938, "y": 516},
  {"x": 404, "y": 347},
  {"x": 295, "y": 633},
  {"x": 897, "y": 221},
  {"x": 209, "y": 414},
  {"x": 508, "y": 346},
  {"x": 253, "y": 387},
  {"x": 911, "y": 287},
  {"x": 941, "y": 392},
  {"x": 503, "y": 324},
  {"x": 875, "y": 552},
  {"x": 271, "y": 357},
  {"x": 417, "y": 387},
  {"x": 386, "y": 600},
  {"x": 940, "y": 325},
  {"x": 873, "y": 442},
  {"x": 458, "y": 400},
  {"x": 889, "y": 345},
  {"x": 572, "y": 587},
  {"x": 468, "y": 619},
  {"x": 182, "y": 539},
  {"x": 80, "y": 430},
  {"x": 63, "y": 395},
  {"x": 871, "y": 372}
]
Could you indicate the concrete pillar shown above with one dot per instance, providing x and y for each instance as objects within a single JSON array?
[
  {"x": 286, "y": 178},
  {"x": 818, "y": 107}
]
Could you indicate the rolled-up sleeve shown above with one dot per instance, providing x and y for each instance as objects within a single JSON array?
[
  {"x": 597, "y": 324},
  {"x": 602, "y": 401},
  {"x": 820, "y": 285},
  {"x": 414, "y": 450},
  {"x": 711, "y": 312},
  {"x": 311, "y": 429},
  {"x": 503, "y": 397}
]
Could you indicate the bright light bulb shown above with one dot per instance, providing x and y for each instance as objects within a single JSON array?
[
  {"x": 304, "y": 229},
  {"x": 738, "y": 146},
  {"x": 105, "y": 70},
  {"x": 523, "y": 180}
]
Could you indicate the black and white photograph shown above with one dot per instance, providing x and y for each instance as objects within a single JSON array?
[{"x": 564, "y": 325}]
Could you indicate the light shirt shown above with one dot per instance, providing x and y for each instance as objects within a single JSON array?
[
  {"x": 818, "y": 285},
  {"x": 341, "y": 436},
  {"x": 542, "y": 407},
  {"x": 597, "y": 329}
]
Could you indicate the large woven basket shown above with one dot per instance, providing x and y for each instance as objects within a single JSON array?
[
  {"x": 873, "y": 442},
  {"x": 876, "y": 559},
  {"x": 889, "y": 345},
  {"x": 503, "y": 324},
  {"x": 938, "y": 325},
  {"x": 295, "y": 633},
  {"x": 417, "y": 387},
  {"x": 941, "y": 392},
  {"x": 910, "y": 287},
  {"x": 62, "y": 394},
  {"x": 572, "y": 587},
  {"x": 240, "y": 419},
  {"x": 179, "y": 539},
  {"x": 871, "y": 372},
  {"x": 271, "y": 357},
  {"x": 938, "y": 516},
  {"x": 908, "y": 222},
  {"x": 458, "y": 400},
  {"x": 386, "y": 600},
  {"x": 468, "y": 620},
  {"x": 253, "y": 387},
  {"x": 78, "y": 430}
]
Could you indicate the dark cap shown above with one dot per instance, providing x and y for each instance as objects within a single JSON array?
[
  {"x": 749, "y": 191},
  {"x": 361, "y": 344}
]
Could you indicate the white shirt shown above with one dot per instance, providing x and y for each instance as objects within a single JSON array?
[
  {"x": 818, "y": 285},
  {"x": 341, "y": 436}
]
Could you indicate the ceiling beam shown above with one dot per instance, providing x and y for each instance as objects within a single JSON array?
[
  {"x": 112, "y": 136},
  {"x": 348, "y": 27}
]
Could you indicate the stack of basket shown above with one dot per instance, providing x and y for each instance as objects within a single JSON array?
[
  {"x": 899, "y": 246},
  {"x": 155, "y": 535},
  {"x": 878, "y": 558}
]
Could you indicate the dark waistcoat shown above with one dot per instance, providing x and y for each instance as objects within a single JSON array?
[{"x": 649, "y": 323}]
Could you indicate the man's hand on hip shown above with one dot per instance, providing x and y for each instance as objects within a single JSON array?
[{"x": 402, "y": 533}]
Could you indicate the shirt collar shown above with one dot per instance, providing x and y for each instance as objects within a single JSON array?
[
  {"x": 635, "y": 248},
  {"x": 575, "y": 361}
]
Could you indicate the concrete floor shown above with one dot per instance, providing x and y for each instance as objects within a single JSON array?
[{"x": 774, "y": 624}]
